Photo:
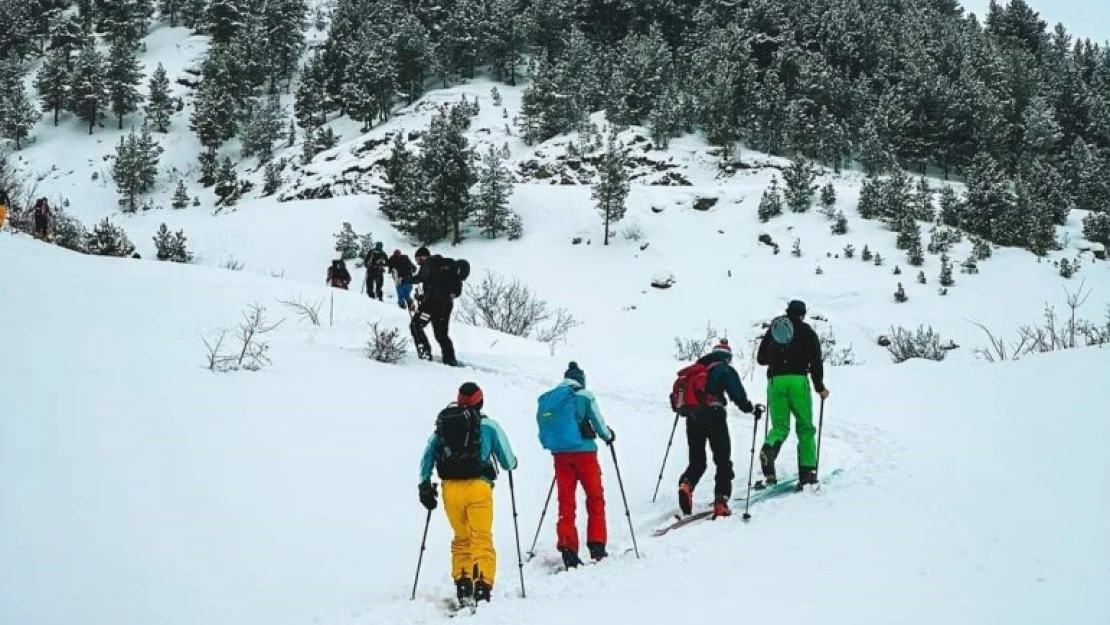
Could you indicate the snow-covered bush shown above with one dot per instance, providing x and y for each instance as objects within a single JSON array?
[
  {"x": 107, "y": 239},
  {"x": 688, "y": 349},
  {"x": 171, "y": 247},
  {"x": 386, "y": 345},
  {"x": 663, "y": 279},
  {"x": 924, "y": 343},
  {"x": 510, "y": 306}
]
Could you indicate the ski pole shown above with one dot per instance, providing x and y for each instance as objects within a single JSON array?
[
  {"x": 665, "y": 454},
  {"x": 616, "y": 466},
  {"x": 751, "y": 462},
  {"x": 820, "y": 426},
  {"x": 516, "y": 530},
  {"x": 532, "y": 551},
  {"x": 420, "y": 560}
]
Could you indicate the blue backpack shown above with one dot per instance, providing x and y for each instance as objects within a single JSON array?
[{"x": 557, "y": 417}]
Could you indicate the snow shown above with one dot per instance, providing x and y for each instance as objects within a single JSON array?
[{"x": 138, "y": 487}]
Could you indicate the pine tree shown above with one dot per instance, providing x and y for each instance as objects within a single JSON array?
[
  {"x": 875, "y": 156},
  {"x": 194, "y": 14},
  {"x": 914, "y": 254},
  {"x": 88, "y": 93},
  {"x": 921, "y": 277},
  {"x": 643, "y": 72},
  {"x": 1096, "y": 228},
  {"x": 504, "y": 38},
  {"x": 900, "y": 294},
  {"x": 951, "y": 207},
  {"x": 272, "y": 180},
  {"x": 227, "y": 183},
  {"x": 800, "y": 187},
  {"x": 159, "y": 105},
  {"x": 180, "y": 196},
  {"x": 347, "y": 242},
  {"x": 869, "y": 199},
  {"x": 770, "y": 204},
  {"x": 370, "y": 84},
  {"x": 284, "y": 23},
  {"x": 17, "y": 114},
  {"x": 107, "y": 239},
  {"x": 123, "y": 77},
  {"x": 849, "y": 251},
  {"x": 66, "y": 36},
  {"x": 402, "y": 179},
  {"x": 828, "y": 201},
  {"x": 310, "y": 103},
  {"x": 988, "y": 197},
  {"x": 447, "y": 162},
  {"x": 612, "y": 187},
  {"x": 171, "y": 247},
  {"x": 209, "y": 167},
  {"x": 224, "y": 20},
  {"x": 840, "y": 226},
  {"x": 493, "y": 191},
  {"x": 946, "y": 279},
  {"x": 53, "y": 82},
  {"x": 263, "y": 128},
  {"x": 544, "y": 113},
  {"x": 136, "y": 167},
  {"x": 170, "y": 9},
  {"x": 866, "y": 254},
  {"x": 668, "y": 116}
]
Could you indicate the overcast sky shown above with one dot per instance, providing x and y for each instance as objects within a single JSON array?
[{"x": 1082, "y": 18}]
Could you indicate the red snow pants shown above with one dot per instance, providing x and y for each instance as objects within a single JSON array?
[{"x": 570, "y": 469}]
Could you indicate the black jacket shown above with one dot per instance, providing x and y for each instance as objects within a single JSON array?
[
  {"x": 376, "y": 261},
  {"x": 436, "y": 287},
  {"x": 402, "y": 266},
  {"x": 802, "y": 356}
]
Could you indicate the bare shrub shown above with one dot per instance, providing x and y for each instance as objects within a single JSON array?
[
  {"x": 632, "y": 232},
  {"x": 233, "y": 264},
  {"x": 386, "y": 345},
  {"x": 687, "y": 349},
  {"x": 251, "y": 353},
  {"x": 511, "y": 307},
  {"x": 306, "y": 310},
  {"x": 924, "y": 343},
  {"x": 834, "y": 356}
]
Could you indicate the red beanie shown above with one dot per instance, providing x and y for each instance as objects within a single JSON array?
[{"x": 470, "y": 395}]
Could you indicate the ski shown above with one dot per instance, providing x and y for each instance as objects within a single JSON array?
[
  {"x": 456, "y": 607},
  {"x": 682, "y": 522}
]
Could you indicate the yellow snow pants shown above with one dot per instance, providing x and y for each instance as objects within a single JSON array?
[{"x": 469, "y": 508}]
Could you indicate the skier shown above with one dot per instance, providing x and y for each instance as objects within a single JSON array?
[
  {"x": 42, "y": 218},
  {"x": 442, "y": 279},
  {"x": 375, "y": 271},
  {"x": 790, "y": 349},
  {"x": 463, "y": 448},
  {"x": 338, "y": 276},
  {"x": 709, "y": 423},
  {"x": 400, "y": 268},
  {"x": 569, "y": 420}
]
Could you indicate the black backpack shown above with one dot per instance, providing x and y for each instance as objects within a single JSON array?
[
  {"x": 450, "y": 274},
  {"x": 460, "y": 452}
]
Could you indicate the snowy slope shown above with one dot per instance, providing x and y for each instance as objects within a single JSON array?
[{"x": 138, "y": 487}]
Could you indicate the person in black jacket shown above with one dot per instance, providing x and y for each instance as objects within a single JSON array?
[
  {"x": 435, "y": 306},
  {"x": 375, "y": 262},
  {"x": 791, "y": 351},
  {"x": 401, "y": 268},
  {"x": 709, "y": 424},
  {"x": 338, "y": 276}
]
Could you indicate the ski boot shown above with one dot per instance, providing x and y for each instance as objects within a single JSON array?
[
  {"x": 464, "y": 589},
  {"x": 570, "y": 558},
  {"x": 685, "y": 497},
  {"x": 767, "y": 457},
  {"x": 482, "y": 591},
  {"x": 720, "y": 507},
  {"x": 807, "y": 477},
  {"x": 597, "y": 551}
]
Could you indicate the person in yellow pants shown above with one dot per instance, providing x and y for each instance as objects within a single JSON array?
[{"x": 463, "y": 449}]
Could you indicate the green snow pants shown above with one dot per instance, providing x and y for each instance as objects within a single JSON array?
[{"x": 788, "y": 394}]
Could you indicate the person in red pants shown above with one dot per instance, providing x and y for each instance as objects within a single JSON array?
[{"x": 569, "y": 422}]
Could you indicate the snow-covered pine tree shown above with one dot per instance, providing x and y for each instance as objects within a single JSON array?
[
  {"x": 159, "y": 105},
  {"x": 800, "y": 187},
  {"x": 170, "y": 9},
  {"x": 447, "y": 161},
  {"x": 227, "y": 183},
  {"x": 988, "y": 197},
  {"x": 412, "y": 55},
  {"x": 828, "y": 201},
  {"x": 840, "y": 226},
  {"x": 504, "y": 38},
  {"x": 611, "y": 189},
  {"x": 921, "y": 277},
  {"x": 900, "y": 294},
  {"x": 107, "y": 239},
  {"x": 66, "y": 35},
  {"x": 347, "y": 242},
  {"x": 951, "y": 207},
  {"x": 770, "y": 203},
  {"x": 123, "y": 77},
  {"x": 456, "y": 49},
  {"x": 224, "y": 20},
  {"x": 643, "y": 72},
  {"x": 88, "y": 92},
  {"x": 369, "y": 85},
  {"x": 1089, "y": 177},
  {"x": 135, "y": 168},
  {"x": 914, "y": 254},
  {"x": 53, "y": 82},
  {"x": 870, "y": 199},
  {"x": 921, "y": 204},
  {"x": 123, "y": 22},
  {"x": 1096, "y": 228},
  {"x": 946, "y": 279},
  {"x": 866, "y": 254},
  {"x": 874, "y": 156},
  {"x": 194, "y": 14},
  {"x": 180, "y": 196},
  {"x": 284, "y": 23},
  {"x": 263, "y": 129},
  {"x": 492, "y": 203},
  {"x": 171, "y": 247},
  {"x": 849, "y": 251},
  {"x": 668, "y": 116},
  {"x": 17, "y": 114},
  {"x": 272, "y": 180},
  {"x": 544, "y": 112},
  {"x": 310, "y": 103},
  {"x": 209, "y": 167}
]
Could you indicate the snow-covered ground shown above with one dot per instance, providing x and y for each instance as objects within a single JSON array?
[{"x": 138, "y": 487}]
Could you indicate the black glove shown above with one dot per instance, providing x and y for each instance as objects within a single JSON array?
[
  {"x": 746, "y": 406},
  {"x": 428, "y": 495},
  {"x": 612, "y": 436}
]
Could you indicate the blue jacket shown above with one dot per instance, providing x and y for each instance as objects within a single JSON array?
[
  {"x": 723, "y": 380},
  {"x": 494, "y": 444},
  {"x": 587, "y": 411}
]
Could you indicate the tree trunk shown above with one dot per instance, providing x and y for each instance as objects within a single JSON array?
[
  {"x": 91, "y": 124},
  {"x": 121, "y": 122},
  {"x": 607, "y": 223},
  {"x": 57, "y": 109}
]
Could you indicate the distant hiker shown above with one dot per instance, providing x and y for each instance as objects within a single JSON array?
[
  {"x": 707, "y": 421},
  {"x": 401, "y": 268},
  {"x": 41, "y": 216},
  {"x": 443, "y": 281},
  {"x": 462, "y": 448},
  {"x": 5, "y": 202},
  {"x": 375, "y": 271},
  {"x": 790, "y": 349},
  {"x": 569, "y": 420},
  {"x": 338, "y": 276}
]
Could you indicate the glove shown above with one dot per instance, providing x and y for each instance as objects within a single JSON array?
[
  {"x": 746, "y": 406},
  {"x": 612, "y": 436},
  {"x": 428, "y": 495}
]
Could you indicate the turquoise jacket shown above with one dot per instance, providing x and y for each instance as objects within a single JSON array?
[
  {"x": 588, "y": 411},
  {"x": 494, "y": 444}
]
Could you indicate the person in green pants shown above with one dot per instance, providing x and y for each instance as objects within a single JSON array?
[{"x": 791, "y": 352}]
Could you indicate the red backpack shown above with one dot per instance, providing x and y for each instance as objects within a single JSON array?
[{"x": 688, "y": 391}]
